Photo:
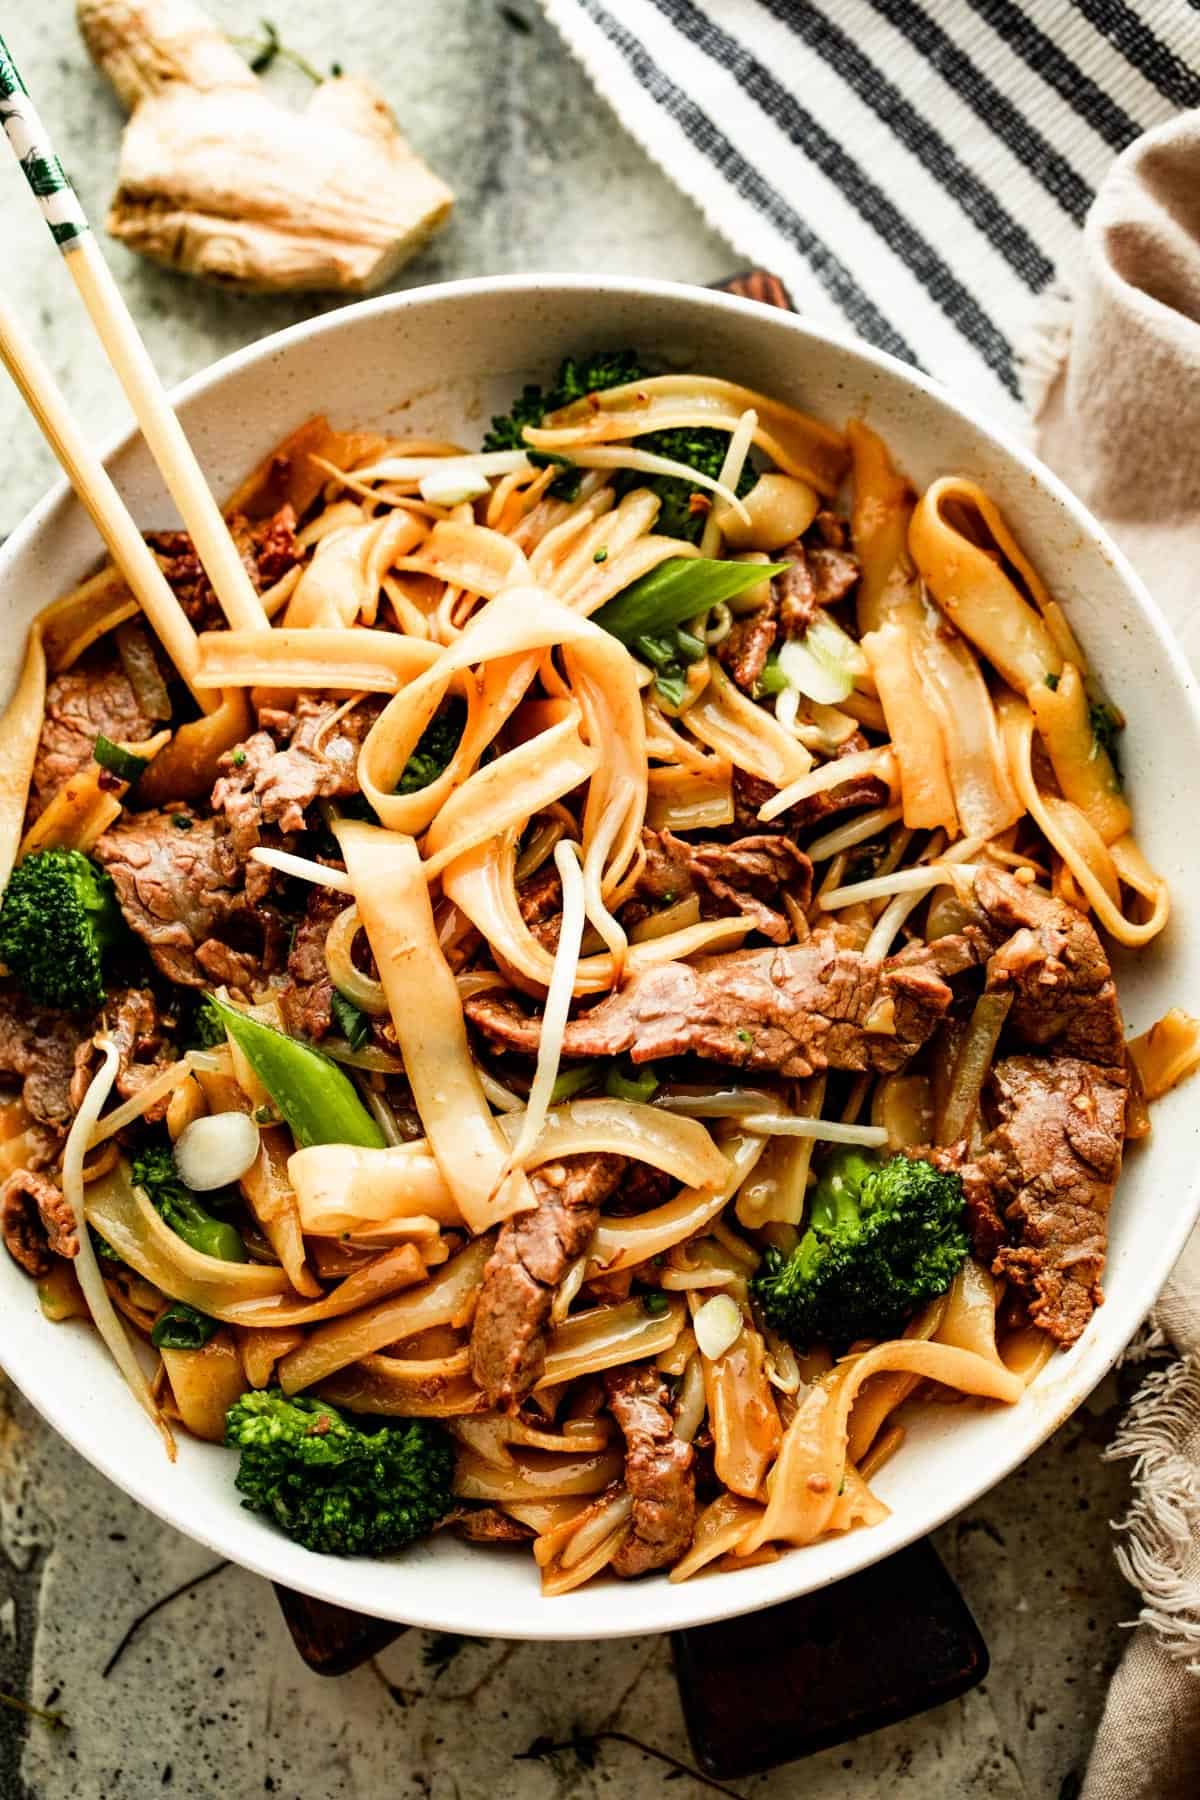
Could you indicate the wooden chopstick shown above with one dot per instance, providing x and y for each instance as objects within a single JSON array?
[
  {"x": 130, "y": 360},
  {"x": 104, "y": 505}
]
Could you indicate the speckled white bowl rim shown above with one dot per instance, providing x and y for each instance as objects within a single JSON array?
[{"x": 460, "y": 346}]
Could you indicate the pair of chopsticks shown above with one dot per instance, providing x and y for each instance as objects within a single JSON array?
[{"x": 130, "y": 360}]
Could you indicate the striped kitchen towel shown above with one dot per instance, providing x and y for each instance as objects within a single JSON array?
[{"x": 917, "y": 172}]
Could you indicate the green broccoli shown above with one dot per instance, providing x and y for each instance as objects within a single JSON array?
[
  {"x": 435, "y": 746},
  {"x": 700, "y": 448},
  {"x": 342, "y": 1488},
  {"x": 154, "y": 1171},
  {"x": 58, "y": 920},
  {"x": 882, "y": 1239}
]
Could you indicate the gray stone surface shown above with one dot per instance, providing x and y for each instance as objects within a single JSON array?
[{"x": 209, "y": 1698}]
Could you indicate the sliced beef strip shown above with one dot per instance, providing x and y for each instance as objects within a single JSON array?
[
  {"x": 92, "y": 698},
  {"x": 749, "y": 794},
  {"x": 488, "y": 1525},
  {"x": 533, "y": 1252},
  {"x": 306, "y": 998},
  {"x": 793, "y": 1011},
  {"x": 1051, "y": 1164},
  {"x": 268, "y": 784},
  {"x": 130, "y": 1019},
  {"x": 40, "y": 1048},
  {"x": 744, "y": 652},
  {"x": 540, "y": 902},
  {"x": 1056, "y": 968},
  {"x": 172, "y": 877},
  {"x": 820, "y": 573},
  {"x": 36, "y": 1222},
  {"x": 268, "y": 550},
  {"x": 658, "y": 1471},
  {"x": 748, "y": 877}
]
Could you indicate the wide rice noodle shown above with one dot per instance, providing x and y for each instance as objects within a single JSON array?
[{"x": 393, "y": 899}]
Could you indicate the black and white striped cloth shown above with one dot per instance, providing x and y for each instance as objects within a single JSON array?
[{"x": 916, "y": 170}]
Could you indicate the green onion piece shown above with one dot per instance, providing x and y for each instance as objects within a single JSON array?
[
  {"x": 316, "y": 1100},
  {"x": 182, "y": 1327},
  {"x": 122, "y": 763},
  {"x": 570, "y": 1082},
  {"x": 691, "y": 648},
  {"x": 677, "y": 591},
  {"x": 655, "y": 1304},
  {"x": 351, "y": 1020},
  {"x": 642, "y": 1086},
  {"x": 660, "y": 652},
  {"x": 672, "y": 685}
]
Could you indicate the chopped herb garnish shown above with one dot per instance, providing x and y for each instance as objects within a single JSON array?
[
  {"x": 655, "y": 1304},
  {"x": 265, "y": 1115},
  {"x": 601, "y": 555},
  {"x": 182, "y": 1327},
  {"x": 569, "y": 1082},
  {"x": 351, "y": 1021},
  {"x": 122, "y": 763},
  {"x": 1106, "y": 723},
  {"x": 640, "y": 1086},
  {"x": 1052, "y": 683},
  {"x": 772, "y": 680},
  {"x": 745, "y": 1037},
  {"x": 182, "y": 822},
  {"x": 238, "y": 759}
]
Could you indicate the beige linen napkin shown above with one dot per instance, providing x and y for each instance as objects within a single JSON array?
[{"x": 1120, "y": 421}]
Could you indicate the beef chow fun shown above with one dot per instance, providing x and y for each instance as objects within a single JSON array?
[{"x": 598, "y": 1006}]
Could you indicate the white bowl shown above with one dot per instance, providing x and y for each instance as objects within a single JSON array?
[{"x": 437, "y": 362}]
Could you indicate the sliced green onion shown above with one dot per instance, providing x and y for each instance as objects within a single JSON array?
[
  {"x": 678, "y": 590},
  {"x": 122, "y": 763},
  {"x": 773, "y": 680},
  {"x": 570, "y": 1082},
  {"x": 640, "y": 1087},
  {"x": 182, "y": 1327},
  {"x": 317, "y": 1101},
  {"x": 351, "y": 1021}
]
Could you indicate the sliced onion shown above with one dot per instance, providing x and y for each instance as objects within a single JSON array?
[
  {"x": 824, "y": 663},
  {"x": 718, "y": 1325},
  {"x": 452, "y": 484},
  {"x": 216, "y": 1150}
]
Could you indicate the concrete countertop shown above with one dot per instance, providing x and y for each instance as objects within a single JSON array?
[{"x": 209, "y": 1697}]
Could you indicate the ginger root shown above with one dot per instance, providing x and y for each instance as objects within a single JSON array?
[{"x": 219, "y": 180}]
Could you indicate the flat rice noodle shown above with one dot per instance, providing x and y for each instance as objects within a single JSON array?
[
  {"x": 72, "y": 624},
  {"x": 679, "y": 799},
  {"x": 445, "y": 1299},
  {"x": 205, "y": 1383},
  {"x": 189, "y": 765},
  {"x": 884, "y": 1393},
  {"x": 624, "y": 1243},
  {"x": 721, "y": 1526},
  {"x": 536, "y": 1477},
  {"x": 392, "y": 1387},
  {"x": 742, "y": 1414},
  {"x": 288, "y": 474},
  {"x": 798, "y": 444},
  {"x": 341, "y": 584},
  {"x": 776, "y": 1191},
  {"x": 979, "y": 576},
  {"x": 744, "y": 734},
  {"x": 913, "y": 727},
  {"x": 20, "y": 731},
  {"x": 423, "y": 997},
  {"x": 341, "y": 1187},
  {"x": 954, "y": 688},
  {"x": 468, "y": 556},
  {"x": 482, "y": 884},
  {"x": 353, "y": 660},
  {"x": 506, "y": 792},
  {"x": 238, "y": 1293},
  {"x": 1082, "y": 766},
  {"x": 261, "y": 1348},
  {"x": 1167, "y": 1053},
  {"x": 269, "y": 1194},
  {"x": 587, "y": 592},
  {"x": 883, "y": 507},
  {"x": 607, "y": 1337},
  {"x": 856, "y": 1504},
  {"x": 1091, "y": 862},
  {"x": 802, "y": 1488}
]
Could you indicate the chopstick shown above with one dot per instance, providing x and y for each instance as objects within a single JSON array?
[
  {"x": 104, "y": 505},
  {"x": 130, "y": 360}
]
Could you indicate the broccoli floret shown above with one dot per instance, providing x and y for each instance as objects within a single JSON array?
[
  {"x": 882, "y": 1239},
  {"x": 577, "y": 377},
  {"x": 154, "y": 1171},
  {"x": 58, "y": 920},
  {"x": 342, "y": 1488},
  {"x": 702, "y": 449},
  {"x": 435, "y": 746}
]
